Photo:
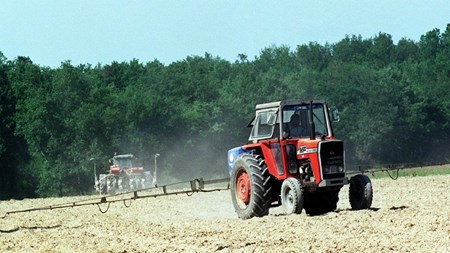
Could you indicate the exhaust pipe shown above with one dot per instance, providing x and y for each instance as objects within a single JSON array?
[{"x": 312, "y": 127}]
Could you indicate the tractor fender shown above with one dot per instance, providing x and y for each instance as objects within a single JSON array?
[{"x": 233, "y": 154}]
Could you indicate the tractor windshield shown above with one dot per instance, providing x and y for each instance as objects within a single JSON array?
[
  {"x": 123, "y": 163},
  {"x": 296, "y": 120}
]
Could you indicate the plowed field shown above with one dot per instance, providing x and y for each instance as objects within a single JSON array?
[{"x": 411, "y": 214}]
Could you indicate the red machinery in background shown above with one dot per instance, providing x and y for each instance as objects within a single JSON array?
[{"x": 124, "y": 175}]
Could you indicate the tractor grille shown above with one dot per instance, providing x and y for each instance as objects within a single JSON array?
[
  {"x": 331, "y": 158},
  {"x": 331, "y": 153}
]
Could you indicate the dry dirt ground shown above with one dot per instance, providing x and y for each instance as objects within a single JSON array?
[{"x": 411, "y": 214}]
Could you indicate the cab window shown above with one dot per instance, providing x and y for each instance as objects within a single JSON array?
[{"x": 263, "y": 125}]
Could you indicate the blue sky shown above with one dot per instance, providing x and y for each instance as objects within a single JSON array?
[{"x": 100, "y": 31}]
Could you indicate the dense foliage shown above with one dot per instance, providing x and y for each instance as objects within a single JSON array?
[{"x": 394, "y": 101}]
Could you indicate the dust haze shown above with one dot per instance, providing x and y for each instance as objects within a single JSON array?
[{"x": 182, "y": 160}]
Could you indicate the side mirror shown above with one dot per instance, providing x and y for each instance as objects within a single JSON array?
[{"x": 334, "y": 114}]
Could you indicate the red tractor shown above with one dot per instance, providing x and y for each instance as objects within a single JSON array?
[
  {"x": 124, "y": 175},
  {"x": 293, "y": 159}
]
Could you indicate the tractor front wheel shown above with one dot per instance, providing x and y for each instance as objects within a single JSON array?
[
  {"x": 292, "y": 196},
  {"x": 360, "y": 192},
  {"x": 251, "y": 186}
]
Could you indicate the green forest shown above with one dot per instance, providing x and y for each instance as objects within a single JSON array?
[{"x": 56, "y": 123}]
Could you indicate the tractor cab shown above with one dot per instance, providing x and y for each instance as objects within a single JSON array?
[
  {"x": 124, "y": 164},
  {"x": 293, "y": 119}
]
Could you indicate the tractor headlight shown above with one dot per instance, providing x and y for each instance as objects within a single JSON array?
[
  {"x": 326, "y": 170},
  {"x": 340, "y": 168}
]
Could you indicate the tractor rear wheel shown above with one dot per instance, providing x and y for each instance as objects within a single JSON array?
[
  {"x": 102, "y": 184},
  {"x": 360, "y": 192},
  {"x": 251, "y": 186},
  {"x": 111, "y": 184},
  {"x": 292, "y": 196}
]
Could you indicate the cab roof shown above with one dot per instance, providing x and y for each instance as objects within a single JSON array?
[{"x": 283, "y": 103}]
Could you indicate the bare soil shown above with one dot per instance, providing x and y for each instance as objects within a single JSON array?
[{"x": 411, "y": 214}]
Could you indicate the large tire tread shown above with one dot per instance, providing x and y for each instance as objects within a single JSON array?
[
  {"x": 260, "y": 181},
  {"x": 360, "y": 192}
]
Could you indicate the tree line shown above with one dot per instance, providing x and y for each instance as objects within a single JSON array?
[{"x": 56, "y": 123}]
